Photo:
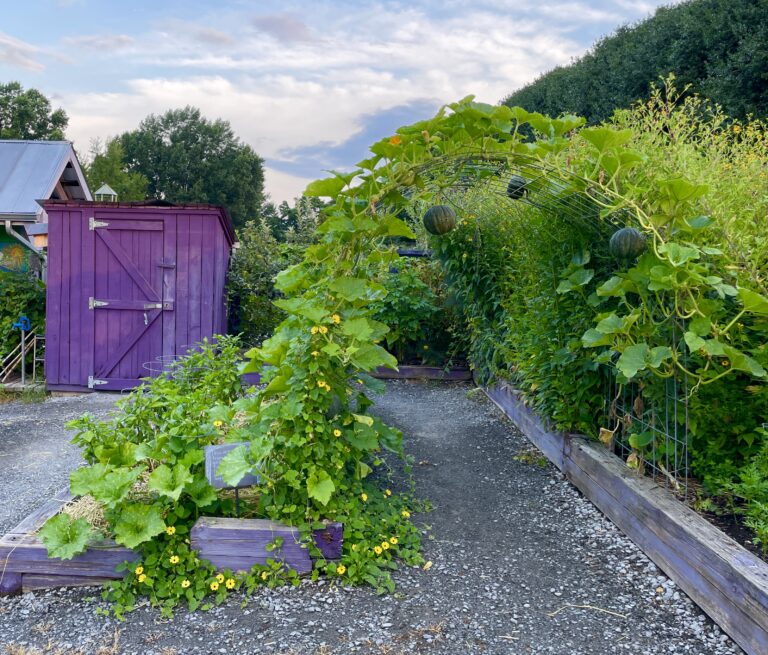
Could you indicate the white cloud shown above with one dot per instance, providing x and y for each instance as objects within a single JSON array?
[
  {"x": 19, "y": 53},
  {"x": 101, "y": 42},
  {"x": 283, "y": 186},
  {"x": 287, "y": 83}
]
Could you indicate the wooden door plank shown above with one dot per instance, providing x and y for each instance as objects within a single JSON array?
[
  {"x": 125, "y": 261},
  {"x": 126, "y": 344}
]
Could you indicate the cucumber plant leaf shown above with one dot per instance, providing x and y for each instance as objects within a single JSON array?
[
  {"x": 320, "y": 486},
  {"x": 235, "y": 465}
]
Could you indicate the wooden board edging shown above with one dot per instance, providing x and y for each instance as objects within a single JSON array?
[
  {"x": 25, "y": 565},
  {"x": 422, "y": 373},
  {"x": 724, "y": 579}
]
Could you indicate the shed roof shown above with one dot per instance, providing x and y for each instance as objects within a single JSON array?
[
  {"x": 148, "y": 206},
  {"x": 31, "y": 171}
]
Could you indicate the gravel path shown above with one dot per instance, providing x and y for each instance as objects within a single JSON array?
[
  {"x": 514, "y": 546},
  {"x": 35, "y": 454}
]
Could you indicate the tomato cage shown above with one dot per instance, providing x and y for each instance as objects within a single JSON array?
[{"x": 646, "y": 422}]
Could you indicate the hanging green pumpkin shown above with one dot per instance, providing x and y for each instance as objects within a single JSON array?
[
  {"x": 517, "y": 187},
  {"x": 439, "y": 219},
  {"x": 627, "y": 243}
]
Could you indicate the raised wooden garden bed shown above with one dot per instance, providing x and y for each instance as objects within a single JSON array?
[
  {"x": 25, "y": 565},
  {"x": 423, "y": 373},
  {"x": 727, "y": 581},
  {"x": 236, "y": 544}
]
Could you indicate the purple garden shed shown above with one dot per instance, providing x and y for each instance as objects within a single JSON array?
[{"x": 131, "y": 286}]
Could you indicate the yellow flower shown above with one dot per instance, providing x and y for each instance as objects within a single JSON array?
[
  {"x": 354, "y": 546},
  {"x": 393, "y": 541},
  {"x": 426, "y": 347},
  {"x": 230, "y": 584},
  {"x": 171, "y": 530},
  {"x": 315, "y": 353},
  {"x": 214, "y": 586},
  {"x": 385, "y": 545},
  {"x": 264, "y": 575},
  {"x": 321, "y": 383},
  {"x": 314, "y": 329},
  {"x": 220, "y": 578},
  {"x": 405, "y": 514},
  {"x": 395, "y": 140},
  {"x": 377, "y": 550},
  {"x": 185, "y": 584},
  {"x": 323, "y": 329},
  {"x": 142, "y": 577},
  {"x": 218, "y": 424},
  {"x": 341, "y": 569},
  {"x": 725, "y": 363},
  {"x": 336, "y": 319},
  {"x": 364, "y": 496},
  {"x": 736, "y": 129},
  {"x": 174, "y": 559},
  {"x": 139, "y": 570},
  {"x": 337, "y": 433}
]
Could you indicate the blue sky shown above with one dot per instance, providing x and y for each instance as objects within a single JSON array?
[{"x": 309, "y": 84}]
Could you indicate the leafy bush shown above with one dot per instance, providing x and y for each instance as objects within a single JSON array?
[
  {"x": 21, "y": 294},
  {"x": 424, "y": 328},
  {"x": 145, "y": 468},
  {"x": 258, "y": 258}
]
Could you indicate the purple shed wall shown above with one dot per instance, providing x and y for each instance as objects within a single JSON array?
[{"x": 156, "y": 278}]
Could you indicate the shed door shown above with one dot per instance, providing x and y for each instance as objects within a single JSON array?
[{"x": 128, "y": 304}]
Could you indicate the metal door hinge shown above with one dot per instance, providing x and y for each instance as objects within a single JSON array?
[
  {"x": 93, "y": 303},
  {"x": 93, "y": 382},
  {"x": 93, "y": 223}
]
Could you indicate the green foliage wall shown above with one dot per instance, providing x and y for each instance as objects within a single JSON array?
[{"x": 717, "y": 46}]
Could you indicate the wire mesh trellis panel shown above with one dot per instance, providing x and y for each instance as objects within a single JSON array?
[{"x": 651, "y": 431}]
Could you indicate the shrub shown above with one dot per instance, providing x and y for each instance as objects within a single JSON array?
[{"x": 21, "y": 294}]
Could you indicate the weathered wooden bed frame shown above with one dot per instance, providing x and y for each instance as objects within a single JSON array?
[
  {"x": 722, "y": 577},
  {"x": 235, "y": 544}
]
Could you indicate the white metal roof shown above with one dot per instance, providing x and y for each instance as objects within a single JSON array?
[{"x": 30, "y": 171}]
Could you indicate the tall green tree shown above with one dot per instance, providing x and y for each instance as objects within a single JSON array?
[
  {"x": 188, "y": 158},
  {"x": 718, "y": 47},
  {"x": 28, "y": 115},
  {"x": 107, "y": 166}
]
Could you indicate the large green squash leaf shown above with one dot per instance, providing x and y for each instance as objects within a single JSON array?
[
  {"x": 168, "y": 481},
  {"x": 138, "y": 523},
  {"x": 65, "y": 537}
]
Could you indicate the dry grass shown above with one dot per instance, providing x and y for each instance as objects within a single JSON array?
[{"x": 87, "y": 508}]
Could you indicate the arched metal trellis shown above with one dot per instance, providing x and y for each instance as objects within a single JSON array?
[{"x": 505, "y": 181}]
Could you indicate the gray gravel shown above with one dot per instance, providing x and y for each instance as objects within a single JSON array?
[
  {"x": 514, "y": 546},
  {"x": 35, "y": 454}
]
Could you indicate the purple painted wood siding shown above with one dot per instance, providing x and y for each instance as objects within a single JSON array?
[{"x": 143, "y": 255}]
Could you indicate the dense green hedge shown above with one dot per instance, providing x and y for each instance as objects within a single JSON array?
[{"x": 717, "y": 46}]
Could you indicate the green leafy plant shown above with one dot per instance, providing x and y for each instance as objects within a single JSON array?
[{"x": 21, "y": 294}]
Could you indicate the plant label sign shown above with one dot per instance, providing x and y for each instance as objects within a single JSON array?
[{"x": 213, "y": 457}]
